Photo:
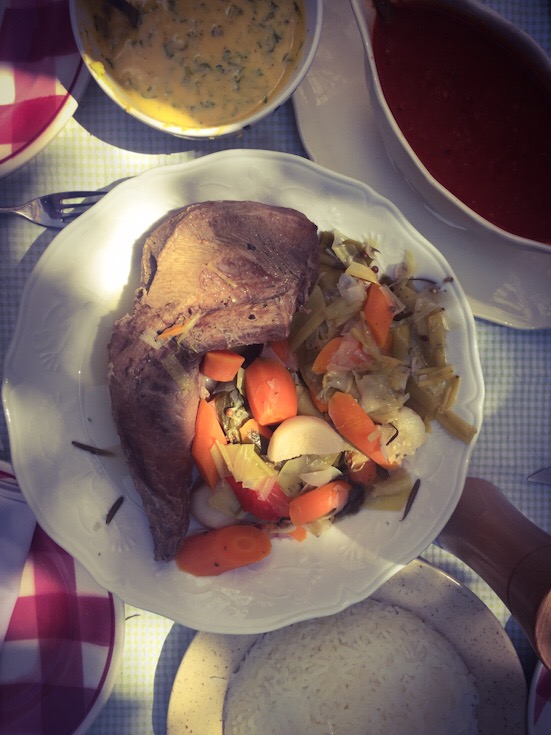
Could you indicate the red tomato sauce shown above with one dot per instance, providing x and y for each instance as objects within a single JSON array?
[{"x": 477, "y": 116}]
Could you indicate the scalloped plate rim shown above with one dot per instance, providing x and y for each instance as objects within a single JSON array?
[{"x": 58, "y": 270}]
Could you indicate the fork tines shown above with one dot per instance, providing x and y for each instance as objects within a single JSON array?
[{"x": 72, "y": 203}]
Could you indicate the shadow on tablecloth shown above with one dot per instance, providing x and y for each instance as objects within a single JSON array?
[
  {"x": 102, "y": 118},
  {"x": 172, "y": 652}
]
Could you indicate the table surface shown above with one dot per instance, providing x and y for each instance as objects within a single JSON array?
[{"x": 102, "y": 145}]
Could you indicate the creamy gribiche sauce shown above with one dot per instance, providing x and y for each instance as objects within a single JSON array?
[{"x": 200, "y": 62}]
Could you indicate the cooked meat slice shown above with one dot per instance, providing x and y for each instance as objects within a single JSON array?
[
  {"x": 154, "y": 395},
  {"x": 253, "y": 260},
  {"x": 233, "y": 273}
]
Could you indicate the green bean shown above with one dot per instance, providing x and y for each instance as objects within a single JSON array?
[
  {"x": 437, "y": 337},
  {"x": 401, "y": 341},
  {"x": 429, "y": 405},
  {"x": 456, "y": 426},
  {"x": 432, "y": 375}
]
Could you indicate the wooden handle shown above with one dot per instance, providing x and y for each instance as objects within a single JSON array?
[{"x": 510, "y": 553}]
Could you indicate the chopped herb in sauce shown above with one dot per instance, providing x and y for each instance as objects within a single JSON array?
[{"x": 190, "y": 64}]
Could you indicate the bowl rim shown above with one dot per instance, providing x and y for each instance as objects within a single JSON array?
[
  {"x": 364, "y": 12},
  {"x": 314, "y": 18}
]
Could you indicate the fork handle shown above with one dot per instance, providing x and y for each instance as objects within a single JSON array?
[
  {"x": 22, "y": 211},
  {"x": 510, "y": 553}
]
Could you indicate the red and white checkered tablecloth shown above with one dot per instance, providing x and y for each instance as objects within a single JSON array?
[
  {"x": 62, "y": 647},
  {"x": 41, "y": 77}
]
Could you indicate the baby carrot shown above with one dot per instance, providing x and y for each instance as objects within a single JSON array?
[
  {"x": 281, "y": 348},
  {"x": 318, "y": 502},
  {"x": 207, "y": 432},
  {"x": 221, "y": 365},
  {"x": 172, "y": 331},
  {"x": 356, "y": 426},
  {"x": 299, "y": 533},
  {"x": 324, "y": 356},
  {"x": 210, "y": 553},
  {"x": 250, "y": 427},
  {"x": 378, "y": 311},
  {"x": 271, "y": 391},
  {"x": 361, "y": 469}
]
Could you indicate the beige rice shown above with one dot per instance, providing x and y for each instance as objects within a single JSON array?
[{"x": 373, "y": 669}]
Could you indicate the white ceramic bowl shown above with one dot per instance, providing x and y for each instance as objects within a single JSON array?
[
  {"x": 83, "y": 29},
  {"x": 439, "y": 199}
]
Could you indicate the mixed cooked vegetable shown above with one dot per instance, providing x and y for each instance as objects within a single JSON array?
[{"x": 294, "y": 435}]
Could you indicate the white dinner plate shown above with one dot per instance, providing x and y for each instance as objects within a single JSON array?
[
  {"x": 504, "y": 284},
  {"x": 42, "y": 78},
  {"x": 199, "y": 689},
  {"x": 56, "y": 391}
]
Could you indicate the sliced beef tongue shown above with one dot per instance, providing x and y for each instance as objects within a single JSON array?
[
  {"x": 155, "y": 413},
  {"x": 235, "y": 270},
  {"x": 232, "y": 272}
]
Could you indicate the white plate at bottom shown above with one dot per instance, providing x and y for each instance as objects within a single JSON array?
[
  {"x": 199, "y": 690},
  {"x": 56, "y": 390}
]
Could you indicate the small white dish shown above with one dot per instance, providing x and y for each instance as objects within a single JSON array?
[
  {"x": 55, "y": 391},
  {"x": 336, "y": 121},
  {"x": 84, "y": 29},
  {"x": 42, "y": 83},
  {"x": 199, "y": 689}
]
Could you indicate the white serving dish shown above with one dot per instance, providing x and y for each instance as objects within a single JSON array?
[
  {"x": 336, "y": 120},
  {"x": 56, "y": 391},
  {"x": 441, "y": 201},
  {"x": 82, "y": 23}
]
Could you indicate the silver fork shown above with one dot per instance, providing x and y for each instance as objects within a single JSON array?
[{"x": 55, "y": 210}]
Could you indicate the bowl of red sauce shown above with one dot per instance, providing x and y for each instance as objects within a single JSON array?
[{"x": 462, "y": 100}]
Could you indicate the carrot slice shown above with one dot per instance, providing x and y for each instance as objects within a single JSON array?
[
  {"x": 314, "y": 383},
  {"x": 318, "y": 502},
  {"x": 318, "y": 403},
  {"x": 281, "y": 348},
  {"x": 355, "y": 425},
  {"x": 378, "y": 311},
  {"x": 323, "y": 359},
  {"x": 361, "y": 469},
  {"x": 172, "y": 331},
  {"x": 221, "y": 365},
  {"x": 250, "y": 427},
  {"x": 271, "y": 391},
  {"x": 207, "y": 432},
  {"x": 210, "y": 553},
  {"x": 299, "y": 533}
]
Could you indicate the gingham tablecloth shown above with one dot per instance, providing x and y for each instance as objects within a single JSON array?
[
  {"x": 44, "y": 68},
  {"x": 59, "y": 645},
  {"x": 102, "y": 145}
]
